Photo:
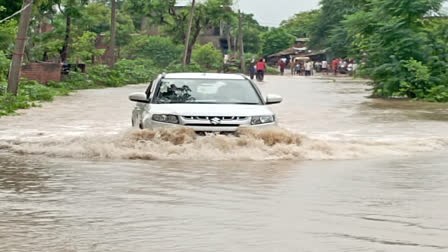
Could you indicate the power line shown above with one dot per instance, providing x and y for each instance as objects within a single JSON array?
[{"x": 17, "y": 12}]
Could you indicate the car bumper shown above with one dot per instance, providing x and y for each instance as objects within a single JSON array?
[{"x": 157, "y": 125}]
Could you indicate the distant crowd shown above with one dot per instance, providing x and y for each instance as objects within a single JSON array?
[{"x": 307, "y": 67}]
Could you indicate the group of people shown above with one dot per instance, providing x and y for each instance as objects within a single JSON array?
[
  {"x": 300, "y": 67},
  {"x": 305, "y": 67},
  {"x": 344, "y": 66},
  {"x": 258, "y": 69},
  {"x": 308, "y": 67}
]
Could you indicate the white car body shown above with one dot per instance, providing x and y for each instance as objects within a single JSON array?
[{"x": 201, "y": 117}]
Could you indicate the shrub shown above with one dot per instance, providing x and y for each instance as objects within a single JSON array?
[
  {"x": 136, "y": 71},
  {"x": 207, "y": 56},
  {"x": 4, "y": 66},
  {"x": 103, "y": 75},
  {"x": 177, "y": 67},
  {"x": 162, "y": 51}
]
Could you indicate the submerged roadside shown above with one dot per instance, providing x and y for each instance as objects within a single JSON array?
[{"x": 32, "y": 93}]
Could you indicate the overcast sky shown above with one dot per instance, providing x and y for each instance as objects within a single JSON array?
[{"x": 272, "y": 12}]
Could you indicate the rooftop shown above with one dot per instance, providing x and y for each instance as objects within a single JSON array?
[{"x": 214, "y": 76}]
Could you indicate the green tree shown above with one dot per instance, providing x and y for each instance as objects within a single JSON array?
[
  {"x": 390, "y": 36},
  {"x": 207, "y": 14},
  {"x": 301, "y": 24},
  {"x": 275, "y": 40},
  {"x": 8, "y": 31},
  {"x": 160, "y": 50},
  {"x": 207, "y": 56},
  {"x": 84, "y": 48}
]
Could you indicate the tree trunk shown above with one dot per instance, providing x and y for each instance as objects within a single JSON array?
[
  {"x": 144, "y": 25},
  {"x": 197, "y": 31},
  {"x": 64, "y": 51},
  {"x": 187, "y": 53},
  {"x": 229, "y": 40},
  {"x": 113, "y": 31},
  {"x": 19, "y": 48},
  {"x": 240, "y": 42}
]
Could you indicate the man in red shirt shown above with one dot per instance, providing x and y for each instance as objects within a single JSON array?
[
  {"x": 281, "y": 63},
  {"x": 334, "y": 65},
  {"x": 261, "y": 67}
]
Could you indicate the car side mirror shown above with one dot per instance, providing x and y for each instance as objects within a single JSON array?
[
  {"x": 138, "y": 97},
  {"x": 273, "y": 99}
]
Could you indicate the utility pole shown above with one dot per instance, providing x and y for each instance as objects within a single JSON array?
[
  {"x": 240, "y": 42},
  {"x": 187, "y": 38},
  {"x": 113, "y": 32},
  {"x": 19, "y": 47}
]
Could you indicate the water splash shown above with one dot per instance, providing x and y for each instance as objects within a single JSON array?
[{"x": 246, "y": 144}]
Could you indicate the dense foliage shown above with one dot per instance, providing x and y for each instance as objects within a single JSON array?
[
  {"x": 31, "y": 92},
  {"x": 208, "y": 57},
  {"x": 276, "y": 40},
  {"x": 400, "y": 48},
  {"x": 161, "y": 50}
]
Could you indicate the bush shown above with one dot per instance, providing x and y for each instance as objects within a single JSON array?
[
  {"x": 162, "y": 51},
  {"x": 35, "y": 91},
  {"x": 177, "y": 67},
  {"x": 207, "y": 56},
  {"x": 272, "y": 70},
  {"x": 10, "y": 103},
  {"x": 136, "y": 71},
  {"x": 4, "y": 66},
  {"x": 103, "y": 75}
]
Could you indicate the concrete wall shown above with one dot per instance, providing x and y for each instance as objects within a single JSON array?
[{"x": 42, "y": 72}]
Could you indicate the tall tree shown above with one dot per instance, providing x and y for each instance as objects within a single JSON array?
[
  {"x": 113, "y": 30},
  {"x": 187, "y": 38},
  {"x": 71, "y": 9},
  {"x": 19, "y": 48},
  {"x": 208, "y": 14}
]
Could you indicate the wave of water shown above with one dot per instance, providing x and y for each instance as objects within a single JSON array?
[{"x": 247, "y": 144}]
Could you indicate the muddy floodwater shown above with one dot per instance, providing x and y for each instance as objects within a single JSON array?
[{"x": 342, "y": 173}]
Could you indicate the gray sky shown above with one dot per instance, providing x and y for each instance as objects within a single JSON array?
[{"x": 272, "y": 12}]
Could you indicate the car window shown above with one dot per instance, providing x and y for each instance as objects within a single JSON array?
[{"x": 206, "y": 91}]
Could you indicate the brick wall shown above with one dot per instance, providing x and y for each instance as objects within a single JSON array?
[{"x": 42, "y": 72}]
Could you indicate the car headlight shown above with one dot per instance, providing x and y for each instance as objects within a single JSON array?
[
  {"x": 166, "y": 118},
  {"x": 262, "y": 119}
]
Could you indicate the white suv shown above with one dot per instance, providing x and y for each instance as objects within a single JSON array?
[{"x": 205, "y": 102}]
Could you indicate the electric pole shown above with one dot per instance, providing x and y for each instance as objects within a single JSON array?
[
  {"x": 240, "y": 42},
  {"x": 187, "y": 38},
  {"x": 19, "y": 47}
]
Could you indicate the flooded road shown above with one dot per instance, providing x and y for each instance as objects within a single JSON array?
[{"x": 344, "y": 173}]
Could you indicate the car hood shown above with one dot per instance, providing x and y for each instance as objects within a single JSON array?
[{"x": 210, "y": 109}]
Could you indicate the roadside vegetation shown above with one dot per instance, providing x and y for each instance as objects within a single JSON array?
[
  {"x": 401, "y": 45},
  {"x": 150, "y": 38}
]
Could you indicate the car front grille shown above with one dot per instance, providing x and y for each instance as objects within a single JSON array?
[{"x": 222, "y": 118}]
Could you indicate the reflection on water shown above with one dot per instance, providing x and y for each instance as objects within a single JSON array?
[{"x": 71, "y": 179}]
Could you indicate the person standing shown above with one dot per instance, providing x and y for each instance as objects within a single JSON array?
[
  {"x": 261, "y": 68},
  {"x": 293, "y": 67},
  {"x": 308, "y": 67},
  {"x": 325, "y": 66},
  {"x": 252, "y": 71},
  {"x": 281, "y": 63},
  {"x": 335, "y": 65}
]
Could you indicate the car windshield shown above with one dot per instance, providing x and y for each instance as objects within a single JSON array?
[{"x": 206, "y": 91}]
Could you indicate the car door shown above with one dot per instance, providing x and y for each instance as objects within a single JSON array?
[{"x": 141, "y": 108}]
